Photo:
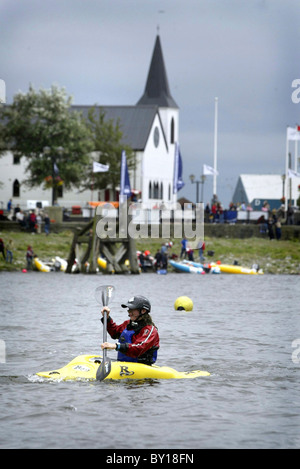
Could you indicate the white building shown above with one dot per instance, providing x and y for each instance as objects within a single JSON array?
[
  {"x": 255, "y": 189},
  {"x": 150, "y": 128}
]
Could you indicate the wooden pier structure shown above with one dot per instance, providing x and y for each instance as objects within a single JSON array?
[{"x": 110, "y": 254}]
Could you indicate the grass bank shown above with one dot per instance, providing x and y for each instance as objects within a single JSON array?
[{"x": 274, "y": 257}]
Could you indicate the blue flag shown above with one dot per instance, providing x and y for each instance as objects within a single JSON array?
[
  {"x": 125, "y": 190},
  {"x": 178, "y": 181}
]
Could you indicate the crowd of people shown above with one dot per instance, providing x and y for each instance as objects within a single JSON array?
[
  {"x": 31, "y": 221},
  {"x": 272, "y": 222},
  {"x": 7, "y": 252}
]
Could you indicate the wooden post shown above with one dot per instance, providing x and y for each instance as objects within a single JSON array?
[{"x": 115, "y": 250}]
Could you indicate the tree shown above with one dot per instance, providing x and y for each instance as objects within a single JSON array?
[
  {"x": 56, "y": 142},
  {"x": 107, "y": 148}
]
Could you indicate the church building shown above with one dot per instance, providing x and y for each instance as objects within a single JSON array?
[{"x": 150, "y": 128}]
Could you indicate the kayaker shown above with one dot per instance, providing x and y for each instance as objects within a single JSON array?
[{"x": 138, "y": 337}]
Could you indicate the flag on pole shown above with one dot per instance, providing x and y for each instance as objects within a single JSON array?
[
  {"x": 55, "y": 169},
  {"x": 125, "y": 190},
  {"x": 209, "y": 171},
  {"x": 100, "y": 168},
  {"x": 178, "y": 181},
  {"x": 293, "y": 133},
  {"x": 293, "y": 174}
]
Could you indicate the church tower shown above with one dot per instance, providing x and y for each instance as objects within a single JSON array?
[{"x": 157, "y": 93}]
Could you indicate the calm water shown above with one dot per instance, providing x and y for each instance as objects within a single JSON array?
[{"x": 241, "y": 330}]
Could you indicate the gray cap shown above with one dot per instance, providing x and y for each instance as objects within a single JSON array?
[{"x": 138, "y": 302}]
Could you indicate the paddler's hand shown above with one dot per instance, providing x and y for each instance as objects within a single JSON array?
[
  {"x": 108, "y": 346},
  {"x": 105, "y": 308}
]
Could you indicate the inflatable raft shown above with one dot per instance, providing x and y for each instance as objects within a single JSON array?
[
  {"x": 57, "y": 264},
  {"x": 41, "y": 266},
  {"x": 187, "y": 267},
  {"x": 84, "y": 367},
  {"x": 237, "y": 269},
  {"x": 213, "y": 268}
]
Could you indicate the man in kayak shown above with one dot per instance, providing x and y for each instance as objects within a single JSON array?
[{"x": 138, "y": 336}]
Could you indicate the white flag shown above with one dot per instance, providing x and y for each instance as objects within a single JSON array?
[
  {"x": 293, "y": 133},
  {"x": 209, "y": 171},
  {"x": 293, "y": 174},
  {"x": 100, "y": 168}
]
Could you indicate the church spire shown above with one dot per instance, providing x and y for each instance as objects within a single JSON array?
[{"x": 157, "y": 87}]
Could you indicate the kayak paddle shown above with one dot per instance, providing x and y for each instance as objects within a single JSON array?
[{"x": 103, "y": 295}]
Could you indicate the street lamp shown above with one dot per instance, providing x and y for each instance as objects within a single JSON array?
[
  {"x": 202, "y": 180},
  {"x": 51, "y": 152}
]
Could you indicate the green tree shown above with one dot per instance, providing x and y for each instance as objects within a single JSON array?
[
  {"x": 107, "y": 149},
  {"x": 41, "y": 127}
]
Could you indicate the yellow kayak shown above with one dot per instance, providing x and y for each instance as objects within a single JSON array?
[
  {"x": 84, "y": 367},
  {"x": 237, "y": 269},
  {"x": 41, "y": 266}
]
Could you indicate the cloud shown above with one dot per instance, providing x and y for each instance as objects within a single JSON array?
[{"x": 246, "y": 53}]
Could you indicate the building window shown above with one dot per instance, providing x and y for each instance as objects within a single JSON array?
[
  {"x": 16, "y": 159},
  {"x": 161, "y": 191},
  {"x": 16, "y": 188},
  {"x": 150, "y": 191},
  {"x": 172, "y": 130},
  {"x": 169, "y": 192},
  {"x": 156, "y": 191}
]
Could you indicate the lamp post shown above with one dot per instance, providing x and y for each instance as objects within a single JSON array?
[
  {"x": 201, "y": 181},
  {"x": 51, "y": 152}
]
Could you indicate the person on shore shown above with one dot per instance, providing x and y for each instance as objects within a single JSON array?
[
  {"x": 184, "y": 243},
  {"x": 47, "y": 224},
  {"x": 2, "y": 248},
  {"x": 270, "y": 224},
  {"x": 9, "y": 251},
  {"x": 29, "y": 257},
  {"x": 201, "y": 247},
  {"x": 290, "y": 215},
  {"x": 138, "y": 338}
]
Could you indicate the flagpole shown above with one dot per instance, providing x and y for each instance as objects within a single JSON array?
[
  {"x": 296, "y": 160},
  {"x": 215, "y": 148},
  {"x": 286, "y": 171}
]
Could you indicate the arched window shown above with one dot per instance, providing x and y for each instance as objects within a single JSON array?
[
  {"x": 161, "y": 191},
  {"x": 150, "y": 191},
  {"x": 60, "y": 191},
  {"x": 169, "y": 195},
  {"x": 172, "y": 130},
  {"x": 16, "y": 188},
  {"x": 156, "y": 190}
]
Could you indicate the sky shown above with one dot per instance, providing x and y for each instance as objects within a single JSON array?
[{"x": 245, "y": 53}]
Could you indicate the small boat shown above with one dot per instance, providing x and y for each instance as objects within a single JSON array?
[
  {"x": 84, "y": 367},
  {"x": 187, "y": 267},
  {"x": 58, "y": 264},
  {"x": 237, "y": 269},
  {"x": 41, "y": 266},
  {"x": 214, "y": 269}
]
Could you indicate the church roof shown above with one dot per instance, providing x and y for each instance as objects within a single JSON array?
[
  {"x": 262, "y": 186},
  {"x": 157, "y": 89},
  {"x": 135, "y": 121}
]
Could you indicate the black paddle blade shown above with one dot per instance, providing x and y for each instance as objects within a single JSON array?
[{"x": 103, "y": 369}]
